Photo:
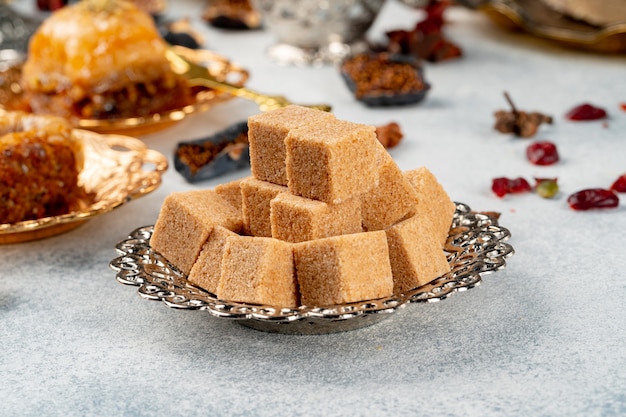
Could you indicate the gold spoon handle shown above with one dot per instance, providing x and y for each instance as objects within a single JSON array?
[
  {"x": 265, "y": 102},
  {"x": 200, "y": 76}
]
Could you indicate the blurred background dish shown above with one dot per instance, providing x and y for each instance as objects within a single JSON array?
[
  {"x": 103, "y": 66},
  {"x": 12, "y": 98},
  {"x": 317, "y": 32},
  {"x": 116, "y": 170},
  {"x": 15, "y": 29},
  {"x": 539, "y": 19}
]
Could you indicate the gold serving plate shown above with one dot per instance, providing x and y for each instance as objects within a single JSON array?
[
  {"x": 537, "y": 19},
  {"x": 117, "y": 169},
  {"x": 204, "y": 98}
]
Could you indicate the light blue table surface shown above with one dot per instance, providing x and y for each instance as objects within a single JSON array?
[{"x": 544, "y": 337}]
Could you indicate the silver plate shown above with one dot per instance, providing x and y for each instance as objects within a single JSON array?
[{"x": 475, "y": 246}]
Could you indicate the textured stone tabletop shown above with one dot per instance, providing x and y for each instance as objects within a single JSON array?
[{"x": 543, "y": 337}]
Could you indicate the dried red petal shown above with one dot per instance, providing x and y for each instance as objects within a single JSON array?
[
  {"x": 50, "y": 5},
  {"x": 623, "y": 106},
  {"x": 586, "y": 112},
  {"x": 427, "y": 40},
  {"x": 619, "y": 186},
  {"x": 503, "y": 186},
  {"x": 500, "y": 186},
  {"x": 542, "y": 153},
  {"x": 434, "y": 20},
  {"x": 593, "y": 198}
]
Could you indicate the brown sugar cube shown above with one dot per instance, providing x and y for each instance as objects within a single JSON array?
[
  {"x": 258, "y": 270},
  {"x": 296, "y": 219},
  {"x": 343, "y": 269},
  {"x": 332, "y": 162},
  {"x": 185, "y": 222},
  {"x": 433, "y": 202},
  {"x": 231, "y": 192},
  {"x": 206, "y": 271},
  {"x": 392, "y": 200},
  {"x": 256, "y": 196},
  {"x": 415, "y": 253},
  {"x": 266, "y": 135}
]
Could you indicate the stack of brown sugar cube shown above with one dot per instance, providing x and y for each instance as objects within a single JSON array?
[{"x": 327, "y": 217}]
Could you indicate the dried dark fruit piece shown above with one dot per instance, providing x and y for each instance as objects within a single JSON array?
[
  {"x": 542, "y": 153},
  {"x": 586, "y": 112},
  {"x": 181, "y": 39},
  {"x": 593, "y": 198},
  {"x": 389, "y": 135},
  {"x": 180, "y": 32},
  {"x": 619, "y": 186},
  {"x": 218, "y": 154},
  {"x": 232, "y": 14},
  {"x": 518, "y": 122},
  {"x": 382, "y": 79},
  {"x": 503, "y": 186},
  {"x": 426, "y": 41}
]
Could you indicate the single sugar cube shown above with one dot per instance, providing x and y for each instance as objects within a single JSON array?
[
  {"x": 296, "y": 219},
  {"x": 343, "y": 269},
  {"x": 185, "y": 222},
  {"x": 258, "y": 270},
  {"x": 415, "y": 254},
  {"x": 206, "y": 271},
  {"x": 256, "y": 196},
  {"x": 231, "y": 192},
  {"x": 332, "y": 162},
  {"x": 266, "y": 135},
  {"x": 433, "y": 202},
  {"x": 392, "y": 200}
]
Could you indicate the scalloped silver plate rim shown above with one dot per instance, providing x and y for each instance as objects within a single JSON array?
[{"x": 469, "y": 261}]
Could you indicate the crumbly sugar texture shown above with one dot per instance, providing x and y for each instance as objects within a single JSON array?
[
  {"x": 392, "y": 200},
  {"x": 206, "y": 271},
  {"x": 297, "y": 219},
  {"x": 415, "y": 254},
  {"x": 266, "y": 135},
  {"x": 185, "y": 222},
  {"x": 433, "y": 202},
  {"x": 343, "y": 269},
  {"x": 231, "y": 192},
  {"x": 258, "y": 270},
  {"x": 256, "y": 197},
  {"x": 348, "y": 226},
  {"x": 331, "y": 162}
]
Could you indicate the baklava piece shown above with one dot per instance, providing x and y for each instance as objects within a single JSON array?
[
  {"x": 40, "y": 162},
  {"x": 101, "y": 60}
]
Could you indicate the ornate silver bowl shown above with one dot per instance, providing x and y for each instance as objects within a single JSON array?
[
  {"x": 317, "y": 32},
  {"x": 475, "y": 246},
  {"x": 15, "y": 30}
]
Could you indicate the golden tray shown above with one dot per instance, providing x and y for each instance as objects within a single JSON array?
[
  {"x": 218, "y": 66},
  {"x": 538, "y": 19},
  {"x": 117, "y": 169}
]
